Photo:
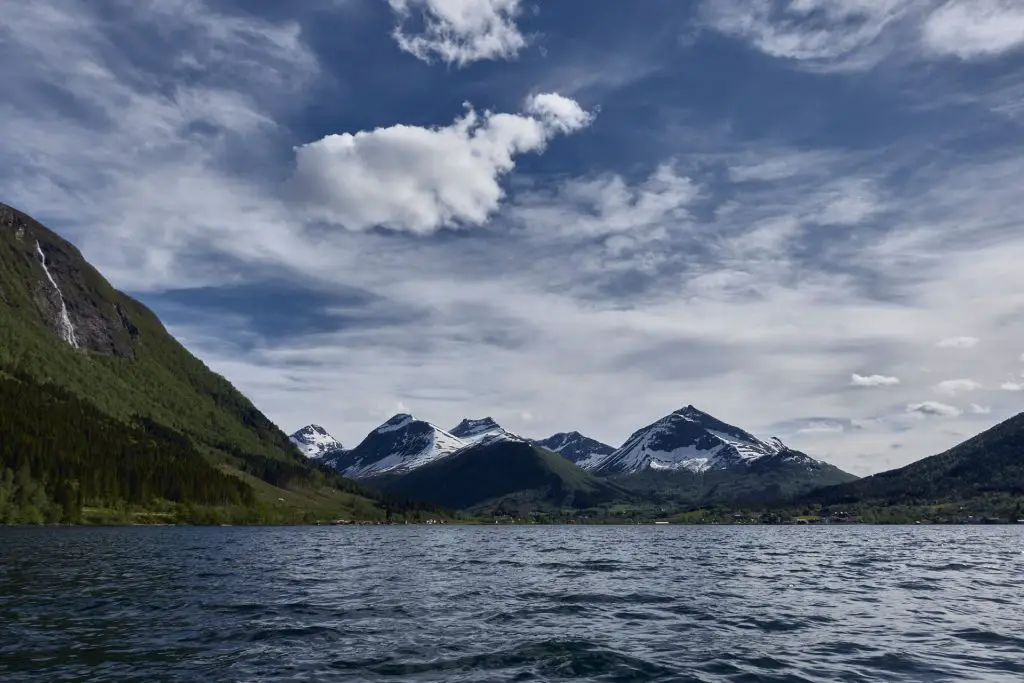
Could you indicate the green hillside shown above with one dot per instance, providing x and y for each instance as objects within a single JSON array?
[
  {"x": 508, "y": 476},
  {"x": 768, "y": 479},
  {"x": 145, "y": 392},
  {"x": 984, "y": 474}
]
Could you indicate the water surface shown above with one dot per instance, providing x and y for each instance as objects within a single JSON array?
[{"x": 512, "y": 604}]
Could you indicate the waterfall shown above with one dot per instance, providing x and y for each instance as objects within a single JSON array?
[{"x": 67, "y": 330}]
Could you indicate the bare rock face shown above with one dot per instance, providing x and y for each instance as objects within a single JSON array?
[{"x": 66, "y": 291}]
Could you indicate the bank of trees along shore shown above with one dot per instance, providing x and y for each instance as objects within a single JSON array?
[{"x": 58, "y": 454}]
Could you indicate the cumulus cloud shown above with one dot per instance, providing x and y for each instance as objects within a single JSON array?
[
  {"x": 975, "y": 29},
  {"x": 958, "y": 343},
  {"x": 979, "y": 409},
  {"x": 952, "y": 387},
  {"x": 420, "y": 179},
  {"x": 934, "y": 408},
  {"x": 458, "y": 31},
  {"x": 1012, "y": 386},
  {"x": 873, "y": 380}
]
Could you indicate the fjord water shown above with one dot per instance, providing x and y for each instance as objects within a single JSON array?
[{"x": 512, "y": 604}]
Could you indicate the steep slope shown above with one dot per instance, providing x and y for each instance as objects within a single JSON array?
[
  {"x": 989, "y": 464},
  {"x": 485, "y": 429},
  {"x": 504, "y": 474},
  {"x": 66, "y": 333},
  {"x": 692, "y": 440},
  {"x": 580, "y": 450},
  {"x": 690, "y": 457},
  {"x": 314, "y": 442},
  {"x": 401, "y": 444}
]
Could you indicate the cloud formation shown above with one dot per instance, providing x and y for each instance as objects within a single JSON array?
[
  {"x": 422, "y": 179},
  {"x": 958, "y": 343},
  {"x": 458, "y": 31},
  {"x": 934, "y": 408},
  {"x": 694, "y": 246},
  {"x": 975, "y": 29},
  {"x": 952, "y": 387},
  {"x": 873, "y": 380},
  {"x": 849, "y": 35}
]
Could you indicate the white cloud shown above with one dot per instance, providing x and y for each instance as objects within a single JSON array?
[
  {"x": 459, "y": 31},
  {"x": 821, "y": 427},
  {"x": 858, "y": 34},
  {"x": 979, "y": 409},
  {"x": 850, "y": 203},
  {"x": 558, "y": 113},
  {"x": 609, "y": 205},
  {"x": 633, "y": 280},
  {"x": 958, "y": 343},
  {"x": 826, "y": 33},
  {"x": 1012, "y": 386},
  {"x": 873, "y": 380},
  {"x": 422, "y": 179},
  {"x": 952, "y": 387},
  {"x": 975, "y": 29},
  {"x": 934, "y": 408}
]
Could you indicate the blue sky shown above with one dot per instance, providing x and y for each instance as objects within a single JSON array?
[{"x": 803, "y": 217}]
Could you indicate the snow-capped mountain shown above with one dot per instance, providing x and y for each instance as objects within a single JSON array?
[
  {"x": 474, "y": 432},
  {"x": 576, "y": 448},
  {"x": 315, "y": 442},
  {"x": 691, "y": 440},
  {"x": 400, "y": 445}
]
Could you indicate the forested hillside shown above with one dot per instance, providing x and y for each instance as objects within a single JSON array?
[{"x": 102, "y": 407}]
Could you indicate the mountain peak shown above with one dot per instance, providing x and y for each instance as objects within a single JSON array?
[
  {"x": 468, "y": 427},
  {"x": 314, "y": 441},
  {"x": 312, "y": 429},
  {"x": 400, "y": 445},
  {"x": 688, "y": 439},
  {"x": 396, "y": 422},
  {"x": 484, "y": 429},
  {"x": 692, "y": 412},
  {"x": 578, "y": 449}
]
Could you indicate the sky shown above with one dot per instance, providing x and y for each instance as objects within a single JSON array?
[{"x": 803, "y": 217}]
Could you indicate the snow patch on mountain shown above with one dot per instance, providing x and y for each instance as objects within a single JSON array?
[
  {"x": 400, "y": 445},
  {"x": 691, "y": 440},
  {"x": 400, "y": 421},
  {"x": 484, "y": 430},
  {"x": 315, "y": 442},
  {"x": 576, "y": 448}
]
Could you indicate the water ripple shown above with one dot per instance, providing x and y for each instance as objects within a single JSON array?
[{"x": 459, "y": 604}]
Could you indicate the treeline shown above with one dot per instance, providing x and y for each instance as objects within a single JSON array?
[
  {"x": 58, "y": 453},
  {"x": 302, "y": 473}
]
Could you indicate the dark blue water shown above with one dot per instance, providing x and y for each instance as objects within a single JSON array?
[{"x": 512, "y": 604}]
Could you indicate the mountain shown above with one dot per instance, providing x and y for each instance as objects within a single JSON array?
[
  {"x": 314, "y": 442},
  {"x": 580, "y": 450},
  {"x": 691, "y": 458},
  {"x": 987, "y": 466},
  {"x": 163, "y": 430},
  {"x": 486, "y": 429},
  {"x": 401, "y": 444},
  {"x": 691, "y": 440},
  {"x": 508, "y": 475}
]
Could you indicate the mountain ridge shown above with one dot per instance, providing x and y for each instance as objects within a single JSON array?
[
  {"x": 578, "y": 449},
  {"x": 401, "y": 444},
  {"x": 68, "y": 337}
]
